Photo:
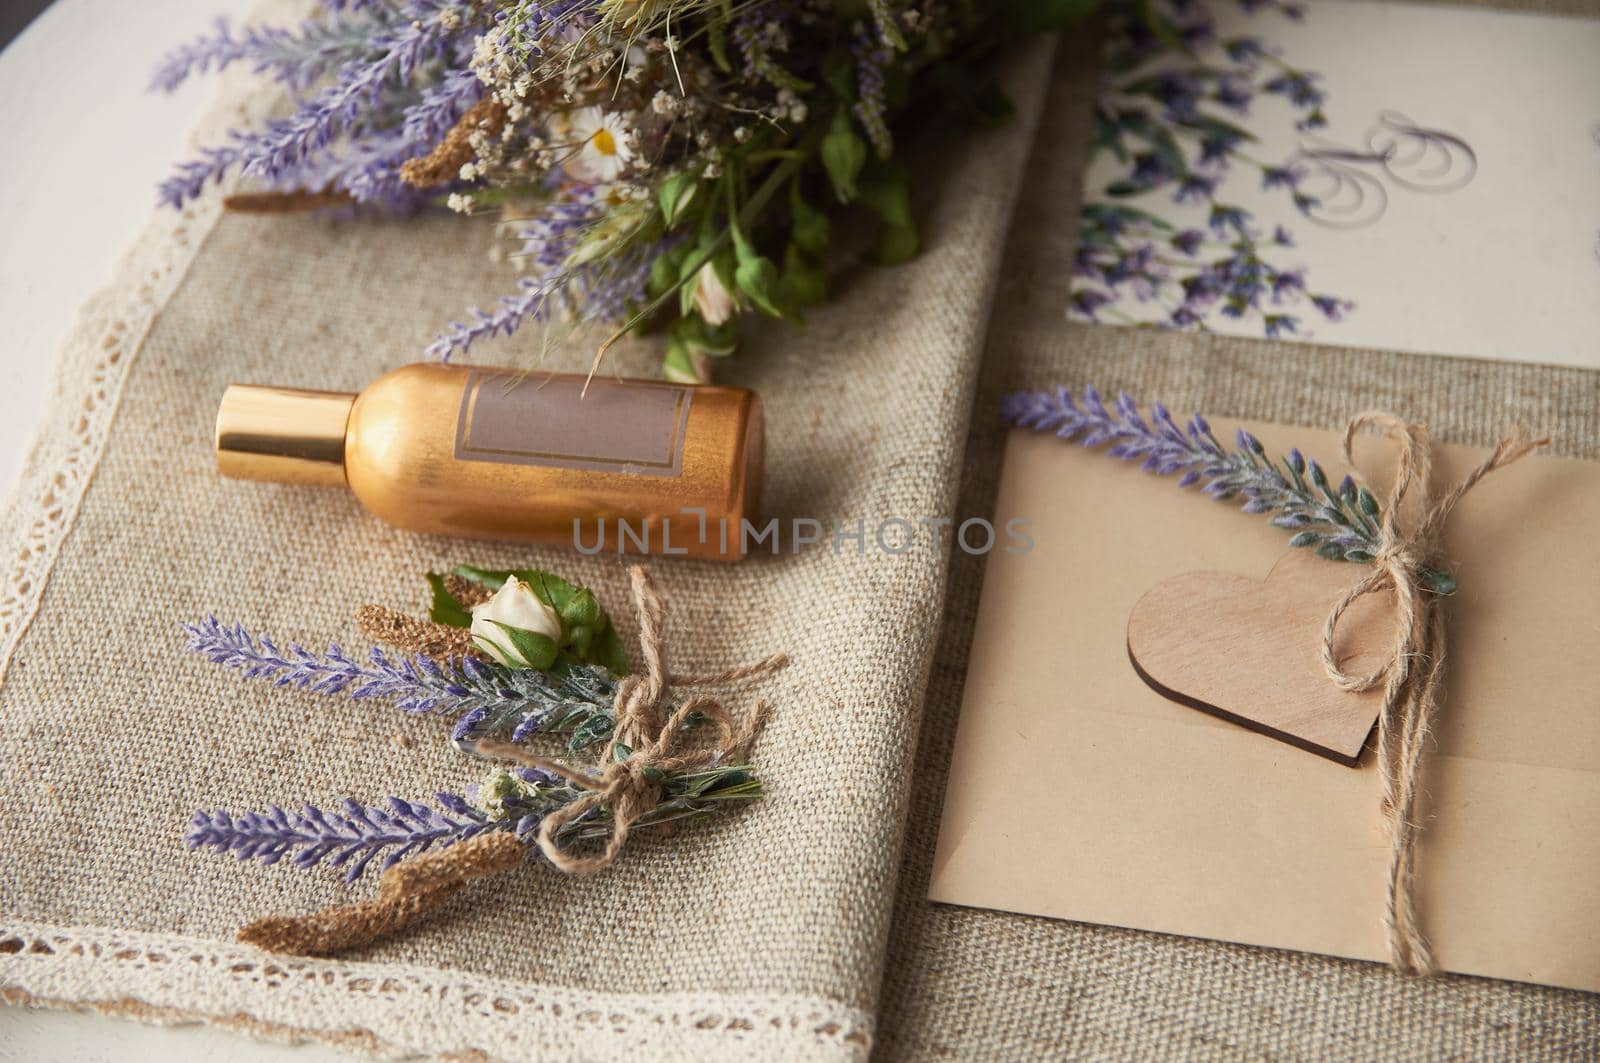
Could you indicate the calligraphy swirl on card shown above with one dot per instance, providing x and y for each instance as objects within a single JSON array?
[{"x": 1347, "y": 188}]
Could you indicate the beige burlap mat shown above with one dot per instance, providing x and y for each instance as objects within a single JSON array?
[
  {"x": 964, "y": 983},
  {"x": 760, "y": 935}
]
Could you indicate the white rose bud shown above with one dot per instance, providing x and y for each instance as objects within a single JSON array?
[
  {"x": 711, "y": 296},
  {"x": 513, "y": 605}
]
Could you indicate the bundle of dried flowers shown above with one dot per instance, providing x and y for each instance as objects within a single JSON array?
[
  {"x": 669, "y": 163},
  {"x": 544, "y": 660}
]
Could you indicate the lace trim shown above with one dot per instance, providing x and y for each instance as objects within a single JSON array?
[
  {"x": 93, "y": 364},
  {"x": 398, "y": 1009}
]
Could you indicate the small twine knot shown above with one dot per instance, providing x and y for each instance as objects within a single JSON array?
[
  {"x": 647, "y": 742},
  {"x": 1410, "y": 672}
]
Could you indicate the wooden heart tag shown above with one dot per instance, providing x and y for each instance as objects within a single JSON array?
[{"x": 1251, "y": 651}]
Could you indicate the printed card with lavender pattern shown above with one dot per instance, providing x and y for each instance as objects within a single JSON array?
[{"x": 1397, "y": 176}]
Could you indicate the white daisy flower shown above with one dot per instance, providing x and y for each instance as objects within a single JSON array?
[{"x": 599, "y": 145}]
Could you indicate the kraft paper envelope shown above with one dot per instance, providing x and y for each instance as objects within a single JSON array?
[{"x": 1078, "y": 792}]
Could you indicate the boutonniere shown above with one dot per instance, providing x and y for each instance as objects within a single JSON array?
[{"x": 508, "y": 656}]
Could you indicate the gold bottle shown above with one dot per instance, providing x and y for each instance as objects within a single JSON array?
[{"x": 632, "y": 466}]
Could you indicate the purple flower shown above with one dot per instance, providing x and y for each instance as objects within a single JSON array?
[
  {"x": 1279, "y": 324},
  {"x": 378, "y": 57},
  {"x": 1150, "y": 169},
  {"x": 350, "y": 838},
  {"x": 1225, "y": 217},
  {"x": 603, "y": 289},
  {"x": 1189, "y": 241},
  {"x": 1216, "y": 147},
  {"x": 1194, "y": 188},
  {"x": 1299, "y": 88},
  {"x": 1332, "y": 308},
  {"x": 1288, "y": 283},
  {"x": 1243, "y": 49},
  {"x": 1234, "y": 92},
  {"x": 1085, "y": 303},
  {"x": 485, "y": 699},
  {"x": 1341, "y": 522},
  {"x": 1281, "y": 176},
  {"x": 1179, "y": 93}
]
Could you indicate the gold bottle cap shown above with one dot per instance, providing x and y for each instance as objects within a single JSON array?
[{"x": 285, "y": 435}]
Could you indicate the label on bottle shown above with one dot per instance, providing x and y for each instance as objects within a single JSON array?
[{"x": 633, "y": 427}]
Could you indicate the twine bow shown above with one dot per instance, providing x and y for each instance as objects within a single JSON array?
[
  {"x": 647, "y": 742},
  {"x": 1410, "y": 672}
]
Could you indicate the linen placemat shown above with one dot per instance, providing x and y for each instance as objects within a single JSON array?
[
  {"x": 759, "y": 935},
  {"x": 963, "y": 983}
]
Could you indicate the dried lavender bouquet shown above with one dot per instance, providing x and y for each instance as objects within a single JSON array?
[
  {"x": 670, "y": 163},
  {"x": 530, "y": 654}
]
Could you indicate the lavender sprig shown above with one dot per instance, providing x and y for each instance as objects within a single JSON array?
[
  {"x": 356, "y": 835},
  {"x": 296, "y": 59},
  {"x": 350, "y": 838},
  {"x": 1343, "y": 523},
  {"x": 486, "y": 700},
  {"x": 378, "y": 59}
]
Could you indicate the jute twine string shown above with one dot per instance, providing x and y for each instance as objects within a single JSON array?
[
  {"x": 648, "y": 740},
  {"x": 1411, "y": 671}
]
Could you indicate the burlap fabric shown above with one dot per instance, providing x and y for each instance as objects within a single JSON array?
[
  {"x": 759, "y": 935},
  {"x": 974, "y": 984},
  {"x": 767, "y": 934}
]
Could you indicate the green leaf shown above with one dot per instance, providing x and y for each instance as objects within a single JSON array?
[
  {"x": 1040, "y": 16},
  {"x": 663, "y": 275},
  {"x": 675, "y": 195},
  {"x": 595, "y": 728},
  {"x": 445, "y": 609},
  {"x": 537, "y": 651},
  {"x": 679, "y": 366},
  {"x": 699, "y": 338},
  {"x": 582, "y": 609},
  {"x": 885, "y": 188},
  {"x": 839, "y": 73},
  {"x": 757, "y": 277},
  {"x": 802, "y": 283},
  {"x": 1368, "y": 504},
  {"x": 607, "y": 651},
  {"x": 843, "y": 155},
  {"x": 1305, "y": 538},
  {"x": 896, "y": 244},
  {"x": 1440, "y": 583},
  {"x": 812, "y": 230},
  {"x": 717, "y": 43},
  {"x": 721, "y": 262},
  {"x": 1209, "y": 126}
]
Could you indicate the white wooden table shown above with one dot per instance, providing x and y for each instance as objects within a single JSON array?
[{"x": 84, "y": 145}]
